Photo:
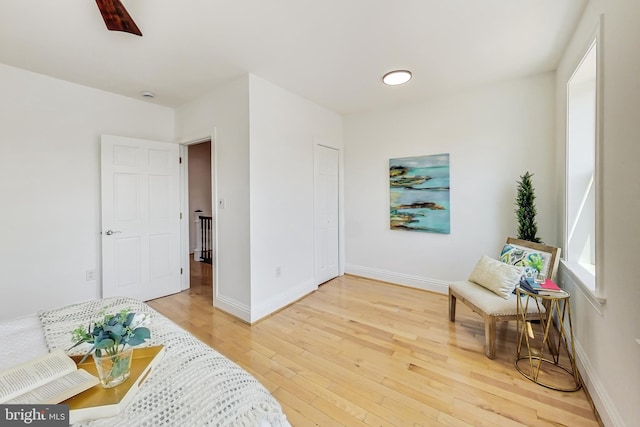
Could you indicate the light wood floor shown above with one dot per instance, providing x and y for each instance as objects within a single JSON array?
[{"x": 361, "y": 352}]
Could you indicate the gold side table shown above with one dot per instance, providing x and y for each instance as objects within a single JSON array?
[{"x": 550, "y": 335}]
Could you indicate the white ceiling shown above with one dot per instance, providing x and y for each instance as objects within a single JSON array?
[{"x": 332, "y": 52}]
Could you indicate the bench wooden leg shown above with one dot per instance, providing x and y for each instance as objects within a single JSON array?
[
  {"x": 452, "y": 307},
  {"x": 490, "y": 336}
]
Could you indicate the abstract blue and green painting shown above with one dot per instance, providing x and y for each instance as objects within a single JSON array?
[{"x": 419, "y": 193}]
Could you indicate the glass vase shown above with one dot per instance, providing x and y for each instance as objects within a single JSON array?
[{"x": 113, "y": 369}]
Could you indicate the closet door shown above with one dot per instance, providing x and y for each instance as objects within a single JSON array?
[{"x": 326, "y": 208}]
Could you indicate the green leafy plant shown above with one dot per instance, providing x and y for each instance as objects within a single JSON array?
[
  {"x": 526, "y": 211},
  {"x": 113, "y": 333}
]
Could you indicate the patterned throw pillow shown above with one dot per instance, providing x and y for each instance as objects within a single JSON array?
[{"x": 531, "y": 261}]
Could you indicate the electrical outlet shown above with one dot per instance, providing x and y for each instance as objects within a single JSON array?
[
  {"x": 278, "y": 271},
  {"x": 90, "y": 275}
]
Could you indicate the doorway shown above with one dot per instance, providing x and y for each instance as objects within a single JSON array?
[{"x": 200, "y": 218}]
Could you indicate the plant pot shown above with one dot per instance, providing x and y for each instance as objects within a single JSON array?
[{"x": 114, "y": 369}]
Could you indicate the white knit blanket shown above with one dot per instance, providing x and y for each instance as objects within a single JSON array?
[{"x": 193, "y": 385}]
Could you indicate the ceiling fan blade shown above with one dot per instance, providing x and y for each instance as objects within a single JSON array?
[{"x": 116, "y": 17}]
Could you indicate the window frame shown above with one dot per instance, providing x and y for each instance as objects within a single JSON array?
[{"x": 592, "y": 285}]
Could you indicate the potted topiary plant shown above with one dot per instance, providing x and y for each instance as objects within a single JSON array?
[{"x": 526, "y": 211}]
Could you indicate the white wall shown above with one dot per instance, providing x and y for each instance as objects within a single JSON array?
[
  {"x": 264, "y": 172},
  {"x": 605, "y": 335},
  {"x": 284, "y": 128},
  {"x": 50, "y": 184},
  {"x": 49, "y": 177},
  {"x": 225, "y": 111},
  {"x": 494, "y": 134}
]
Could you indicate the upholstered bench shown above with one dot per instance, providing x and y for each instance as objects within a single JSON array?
[{"x": 500, "y": 304}]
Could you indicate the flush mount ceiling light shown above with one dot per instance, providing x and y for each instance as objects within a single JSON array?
[
  {"x": 147, "y": 94},
  {"x": 396, "y": 77}
]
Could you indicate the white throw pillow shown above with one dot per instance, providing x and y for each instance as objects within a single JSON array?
[{"x": 496, "y": 276}]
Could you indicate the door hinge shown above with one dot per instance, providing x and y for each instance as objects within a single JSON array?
[
  {"x": 180, "y": 215},
  {"x": 180, "y": 161},
  {"x": 181, "y": 270}
]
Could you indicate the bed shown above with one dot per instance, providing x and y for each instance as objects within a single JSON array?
[{"x": 193, "y": 384}]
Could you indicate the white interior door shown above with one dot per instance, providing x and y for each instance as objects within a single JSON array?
[
  {"x": 140, "y": 218},
  {"x": 326, "y": 213}
]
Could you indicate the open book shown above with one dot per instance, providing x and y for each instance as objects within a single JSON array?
[{"x": 46, "y": 380}]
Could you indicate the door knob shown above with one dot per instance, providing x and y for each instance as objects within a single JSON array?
[{"x": 110, "y": 232}]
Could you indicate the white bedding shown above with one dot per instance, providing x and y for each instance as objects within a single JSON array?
[
  {"x": 193, "y": 385},
  {"x": 21, "y": 339}
]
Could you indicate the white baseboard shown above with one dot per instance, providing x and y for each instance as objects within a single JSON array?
[
  {"x": 233, "y": 307},
  {"x": 591, "y": 381},
  {"x": 425, "y": 283},
  {"x": 601, "y": 399},
  {"x": 282, "y": 300},
  {"x": 250, "y": 315}
]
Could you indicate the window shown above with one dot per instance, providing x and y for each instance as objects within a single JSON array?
[{"x": 582, "y": 148}]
